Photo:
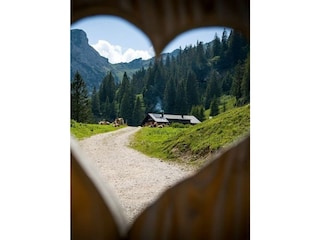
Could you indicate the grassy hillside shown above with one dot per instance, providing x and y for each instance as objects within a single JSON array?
[
  {"x": 84, "y": 130},
  {"x": 227, "y": 102},
  {"x": 194, "y": 143}
]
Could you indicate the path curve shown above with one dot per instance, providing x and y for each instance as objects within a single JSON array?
[{"x": 136, "y": 179}]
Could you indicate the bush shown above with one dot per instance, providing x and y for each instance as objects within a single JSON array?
[{"x": 179, "y": 125}]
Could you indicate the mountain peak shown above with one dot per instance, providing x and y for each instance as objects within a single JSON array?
[
  {"x": 79, "y": 37},
  {"x": 93, "y": 67}
]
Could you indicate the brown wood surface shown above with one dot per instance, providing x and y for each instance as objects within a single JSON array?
[
  {"x": 164, "y": 20},
  {"x": 215, "y": 203}
]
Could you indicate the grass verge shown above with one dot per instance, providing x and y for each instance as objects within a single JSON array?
[
  {"x": 84, "y": 130},
  {"x": 193, "y": 144}
]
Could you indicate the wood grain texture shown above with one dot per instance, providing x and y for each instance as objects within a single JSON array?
[
  {"x": 163, "y": 20},
  {"x": 213, "y": 204},
  {"x": 95, "y": 213}
]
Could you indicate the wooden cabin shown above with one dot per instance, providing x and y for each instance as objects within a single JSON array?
[{"x": 156, "y": 119}]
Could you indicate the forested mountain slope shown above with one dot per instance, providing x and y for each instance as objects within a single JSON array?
[
  {"x": 93, "y": 67},
  {"x": 86, "y": 60},
  {"x": 190, "y": 81}
]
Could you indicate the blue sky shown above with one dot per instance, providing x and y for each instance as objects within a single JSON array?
[{"x": 121, "y": 41}]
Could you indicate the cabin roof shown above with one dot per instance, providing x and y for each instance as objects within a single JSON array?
[{"x": 167, "y": 118}]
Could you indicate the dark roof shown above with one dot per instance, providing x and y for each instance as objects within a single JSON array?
[
  {"x": 157, "y": 117},
  {"x": 167, "y": 118}
]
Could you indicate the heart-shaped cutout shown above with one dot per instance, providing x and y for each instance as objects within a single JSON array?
[{"x": 97, "y": 162}]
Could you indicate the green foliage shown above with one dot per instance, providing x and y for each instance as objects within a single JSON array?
[
  {"x": 84, "y": 130},
  {"x": 95, "y": 103},
  {"x": 195, "y": 142},
  {"x": 137, "y": 114},
  {"x": 169, "y": 96},
  {"x": 227, "y": 102},
  {"x": 179, "y": 125},
  {"x": 137, "y": 81},
  {"x": 80, "y": 101},
  {"x": 198, "y": 112},
  {"x": 199, "y": 75},
  {"x": 214, "y": 107},
  {"x": 213, "y": 89},
  {"x": 245, "y": 84},
  {"x": 181, "y": 100},
  {"x": 124, "y": 87},
  {"x": 236, "y": 83},
  {"x": 126, "y": 107},
  {"x": 191, "y": 91}
]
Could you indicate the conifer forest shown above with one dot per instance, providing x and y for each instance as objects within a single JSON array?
[{"x": 191, "y": 81}]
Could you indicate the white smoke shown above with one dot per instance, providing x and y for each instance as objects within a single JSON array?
[{"x": 158, "y": 106}]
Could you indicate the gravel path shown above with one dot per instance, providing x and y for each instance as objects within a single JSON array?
[{"x": 136, "y": 179}]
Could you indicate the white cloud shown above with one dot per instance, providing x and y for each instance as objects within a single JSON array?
[{"x": 115, "y": 53}]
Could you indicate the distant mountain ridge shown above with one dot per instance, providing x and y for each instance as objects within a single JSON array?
[
  {"x": 93, "y": 67},
  {"x": 86, "y": 60}
]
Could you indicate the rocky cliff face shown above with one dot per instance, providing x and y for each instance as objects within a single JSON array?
[
  {"x": 93, "y": 67},
  {"x": 86, "y": 60}
]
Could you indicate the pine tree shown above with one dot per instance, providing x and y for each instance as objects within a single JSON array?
[
  {"x": 224, "y": 41},
  {"x": 245, "y": 83},
  {"x": 169, "y": 97},
  {"x": 126, "y": 107},
  {"x": 216, "y": 46},
  {"x": 236, "y": 83},
  {"x": 167, "y": 64},
  {"x": 224, "y": 106},
  {"x": 224, "y": 61},
  {"x": 198, "y": 112},
  {"x": 181, "y": 100},
  {"x": 138, "y": 81},
  {"x": 148, "y": 98},
  {"x": 153, "y": 90},
  {"x": 80, "y": 101},
  {"x": 227, "y": 83},
  {"x": 191, "y": 91},
  {"x": 214, "y": 107},
  {"x": 159, "y": 81},
  {"x": 126, "y": 99},
  {"x": 201, "y": 61},
  {"x": 110, "y": 87},
  {"x": 213, "y": 89},
  {"x": 103, "y": 90},
  {"x": 137, "y": 114},
  {"x": 237, "y": 49},
  {"x": 107, "y": 110},
  {"x": 95, "y": 103},
  {"x": 202, "y": 116},
  {"x": 123, "y": 88},
  {"x": 112, "y": 110}
]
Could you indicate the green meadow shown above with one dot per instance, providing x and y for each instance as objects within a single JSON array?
[
  {"x": 84, "y": 130},
  {"x": 194, "y": 143}
]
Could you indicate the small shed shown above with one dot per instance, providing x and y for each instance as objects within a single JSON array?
[{"x": 153, "y": 119}]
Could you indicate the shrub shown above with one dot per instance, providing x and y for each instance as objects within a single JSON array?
[{"x": 179, "y": 125}]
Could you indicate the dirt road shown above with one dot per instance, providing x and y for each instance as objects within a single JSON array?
[{"x": 136, "y": 179}]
